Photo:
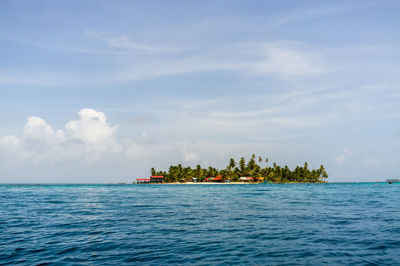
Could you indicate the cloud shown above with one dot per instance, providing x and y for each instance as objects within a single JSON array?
[
  {"x": 90, "y": 139},
  {"x": 341, "y": 158},
  {"x": 9, "y": 141},
  {"x": 85, "y": 139},
  {"x": 250, "y": 60},
  {"x": 283, "y": 61},
  {"x": 92, "y": 127},
  {"x": 371, "y": 161},
  {"x": 123, "y": 44},
  {"x": 32, "y": 78},
  {"x": 36, "y": 129},
  {"x": 279, "y": 60},
  {"x": 348, "y": 152},
  {"x": 189, "y": 156},
  {"x": 315, "y": 12},
  {"x": 88, "y": 145}
]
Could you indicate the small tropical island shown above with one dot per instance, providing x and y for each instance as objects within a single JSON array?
[{"x": 256, "y": 170}]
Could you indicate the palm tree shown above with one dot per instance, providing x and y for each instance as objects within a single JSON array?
[
  {"x": 179, "y": 172},
  {"x": 242, "y": 166},
  {"x": 234, "y": 171},
  {"x": 257, "y": 173},
  {"x": 230, "y": 168},
  {"x": 236, "y": 174},
  {"x": 187, "y": 174},
  {"x": 232, "y": 163},
  {"x": 323, "y": 173},
  {"x": 251, "y": 165}
]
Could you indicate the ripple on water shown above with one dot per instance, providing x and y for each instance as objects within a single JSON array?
[{"x": 263, "y": 224}]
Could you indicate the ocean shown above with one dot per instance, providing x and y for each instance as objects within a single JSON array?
[{"x": 200, "y": 224}]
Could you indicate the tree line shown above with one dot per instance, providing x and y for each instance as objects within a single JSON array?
[{"x": 257, "y": 168}]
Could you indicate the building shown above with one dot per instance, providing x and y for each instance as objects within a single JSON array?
[
  {"x": 246, "y": 179},
  {"x": 213, "y": 179},
  {"x": 143, "y": 180},
  {"x": 156, "y": 179}
]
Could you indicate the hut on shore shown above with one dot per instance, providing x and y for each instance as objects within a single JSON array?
[
  {"x": 246, "y": 179},
  {"x": 143, "y": 180},
  {"x": 156, "y": 179},
  {"x": 214, "y": 179}
]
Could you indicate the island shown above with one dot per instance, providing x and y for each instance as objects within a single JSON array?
[{"x": 256, "y": 170}]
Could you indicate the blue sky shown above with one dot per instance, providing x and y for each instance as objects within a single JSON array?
[{"x": 100, "y": 91}]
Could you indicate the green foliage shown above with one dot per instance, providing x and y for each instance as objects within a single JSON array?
[{"x": 233, "y": 171}]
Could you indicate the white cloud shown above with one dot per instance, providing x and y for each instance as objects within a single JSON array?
[
  {"x": 123, "y": 44},
  {"x": 92, "y": 127},
  {"x": 90, "y": 140},
  {"x": 315, "y": 12},
  {"x": 36, "y": 129},
  {"x": 189, "y": 156},
  {"x": 89, "y": 144},
  {"x": 86, "y": 139},
  {"x": 250, "y": 59},
  {"x": 133, "y": 149},
  {"x": 9, "y": 141},
  {"x": 341, "y": 158},
  {"x": 371, "y": 161},
  {"x": 283, "y": 61},
  {"x": 348, "y": 152},
  {"x": 143, "y": 138}
]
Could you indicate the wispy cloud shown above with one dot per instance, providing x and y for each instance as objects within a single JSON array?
[
  {"x": 123, "y": 44},
  {"x": 312, "y": 12},
  {"x": 251, "y": 60},
  {"x": 341, "y": 158}
]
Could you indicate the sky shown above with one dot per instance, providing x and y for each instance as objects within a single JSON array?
[{"x": 101, "y": 91}]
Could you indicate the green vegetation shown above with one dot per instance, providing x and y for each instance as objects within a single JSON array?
[{"x": 234, "y": 171}]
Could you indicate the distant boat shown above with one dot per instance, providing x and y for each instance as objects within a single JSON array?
[{"x": 390, "y": 181}]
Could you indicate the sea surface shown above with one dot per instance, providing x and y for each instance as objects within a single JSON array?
[{"x": 200, "y": 224}]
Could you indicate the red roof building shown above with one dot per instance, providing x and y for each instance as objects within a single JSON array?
[
  {"x": 156, "y": 179},
  {"x": 143, "y": 180},
  {"x": 214, "y": 179}
]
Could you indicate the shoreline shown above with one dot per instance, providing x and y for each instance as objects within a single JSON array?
[{"x": 227, "y": 183}]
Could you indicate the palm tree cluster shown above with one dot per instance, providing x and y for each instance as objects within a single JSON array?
[{"x": 234, "y": 171}]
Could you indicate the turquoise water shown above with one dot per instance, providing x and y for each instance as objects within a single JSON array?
[{"x": 200, "y": 224}]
